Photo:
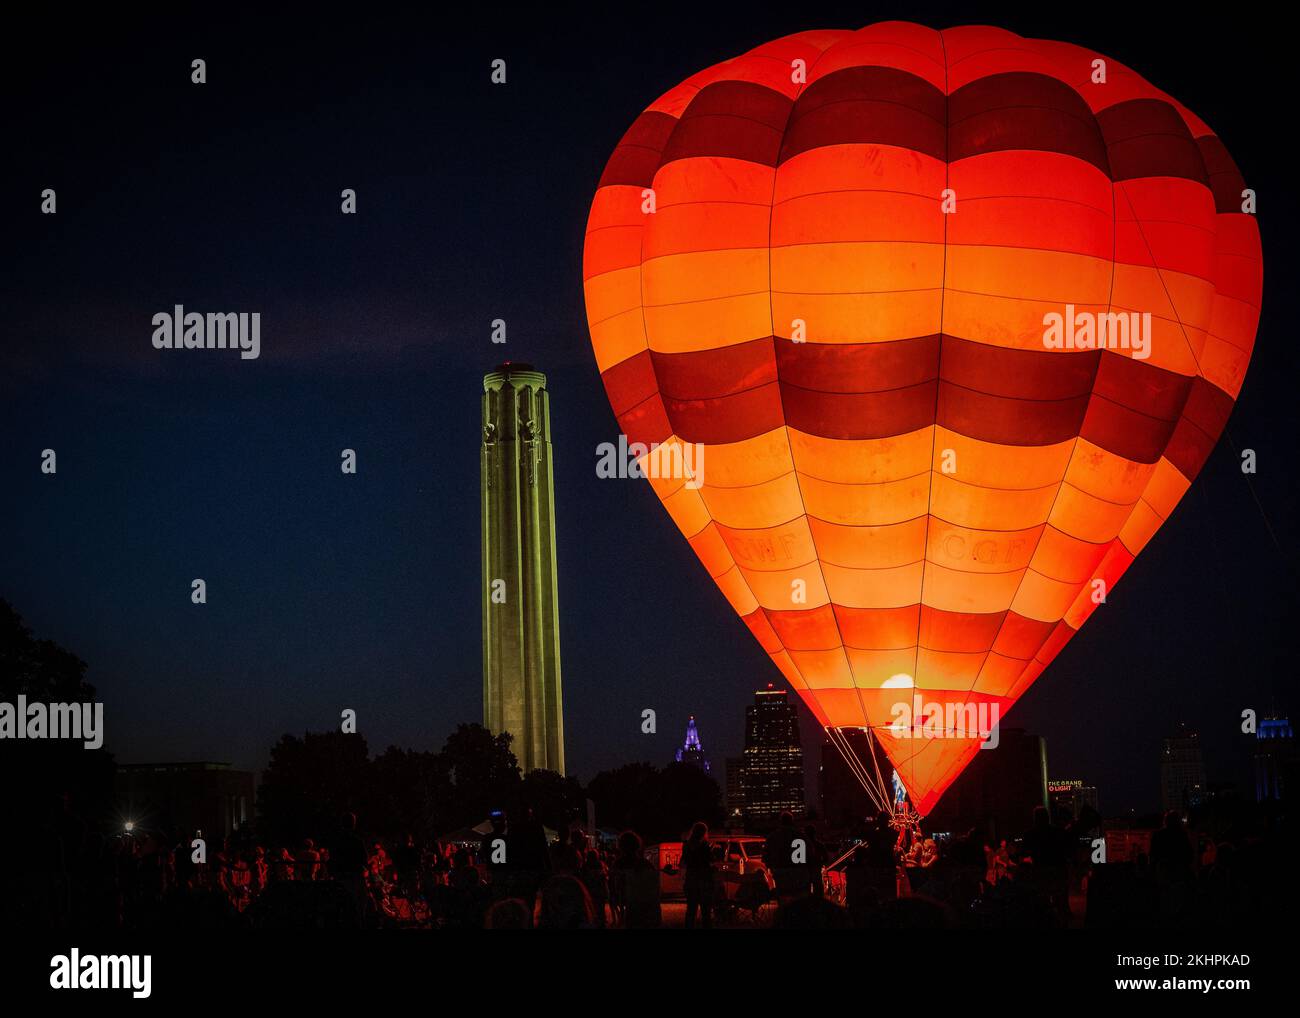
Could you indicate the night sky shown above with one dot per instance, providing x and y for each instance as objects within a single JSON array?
[{"x": 327, "y": 591}]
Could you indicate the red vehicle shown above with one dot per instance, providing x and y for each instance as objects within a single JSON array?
[{"x": 741, "y": 877}]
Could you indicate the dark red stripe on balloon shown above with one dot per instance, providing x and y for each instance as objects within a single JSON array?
[
  {"x": 1009, "y": 421},
  {"x": 882, "y": 390},
  {"x": 868, "y": 106},
  {"x": 646, "y": 422},
  {"x": 1203, "y": 421},
  {"x": 1018, "y": 374},
  {"x": 1226, "y": 180},
  {"x": 1126, "y": 432},
  {"x": 1141, "y": 386},
  {"x": 630, "y": 382},
  {"x": 727, "y": 419},
  {"x": 640, "y": 152},
  {"x": 858, "y": 367},
  {"x": 1148, "y": 138},
  {"x": 734, "y": 120},
  {"x": 859, "y": 415},
  {"x": 1022, "y": 111},
  {"x": 722, "y": 372}
]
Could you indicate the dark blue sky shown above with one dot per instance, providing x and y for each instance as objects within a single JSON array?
[{"x": 328, "y": 591}]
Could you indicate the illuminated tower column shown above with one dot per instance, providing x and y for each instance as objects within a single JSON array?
[{"x": 521, "y": 624}]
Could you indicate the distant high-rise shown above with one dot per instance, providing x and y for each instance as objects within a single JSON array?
[
  {"x": 844, "y": 802},
  {"x": 771, "y": 775},
  {"x": 1182, "y": 771},
  {"x": 734, "y": 795},
  {"x": 999, "y": 790},
  {"x": 1275, "y": 759},
  {"x": 1068, "y": 798},
  {"x": 692, "y": 752},
  {"x": 521, "y": 624}
]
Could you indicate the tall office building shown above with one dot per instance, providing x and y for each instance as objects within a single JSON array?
[
  {"x": 999, "y": 789},
  {"x": 844, "y": 802},
  {"x": 1275, "y": 759},
  {"x": 521, "y": 624},
  {"x": 734, "y": 795},
  {"x": 771, "y": 775},
  {"x": 1182, "y": 771}
]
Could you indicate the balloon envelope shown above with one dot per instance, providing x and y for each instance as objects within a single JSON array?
[{"x": 956, "y": 317}]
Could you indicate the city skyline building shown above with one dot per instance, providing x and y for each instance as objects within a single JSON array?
[
  {"x": 1275, "y": 758},
  {"x": 521, "y": 625},
  {"x": 692, "y": 751},
  {"x": 1068, "y": 797},
  {"x": 1000, "y": 789},
  {"x": 209, "y": 798},
  {"x": 1182, "y": 771},
  {"x": 771, "y": 774}
]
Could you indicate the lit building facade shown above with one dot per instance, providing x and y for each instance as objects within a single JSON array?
[
  {"x": 771, "y": 773},
  {"x": 1068, "y": 797},
  {"x": 1182, "y": 771},
  {"x": 692, "y": 752},
  {"x": 521, "y": 623},
  {"x": 999, "y": 789},
  {"x": 1275, "y": 759},
  {"x": 182, "y": 799}
]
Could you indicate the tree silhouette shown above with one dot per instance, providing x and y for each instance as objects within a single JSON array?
[
  {"x": 60, "y": 795},
  {"x": 483, "y": 772},
  {"x": 660, "y": 805},
  {"x": 310, "y": 783}
]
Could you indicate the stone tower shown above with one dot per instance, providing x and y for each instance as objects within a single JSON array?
[{"x": 521, "y": 623}]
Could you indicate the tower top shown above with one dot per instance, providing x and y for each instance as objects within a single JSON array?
[{"x": 517, "y": 373}]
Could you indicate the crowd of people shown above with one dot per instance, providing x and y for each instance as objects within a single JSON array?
[{"x": 518, "y": 875}]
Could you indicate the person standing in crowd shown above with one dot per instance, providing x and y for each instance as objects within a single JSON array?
[
  {"x": 595, "y": 877},
  {"x": 527, "y": 857},
  {"x": 697, "y": 863},
  {"x": 349, "y": 865},
  {"x": 308, "y": 860},
  {"x": 565, "y": 856},
  {"x": 491, "y": 853},
  {"x": 789, "y": 872},
  {"x": 637, "y": 885}
]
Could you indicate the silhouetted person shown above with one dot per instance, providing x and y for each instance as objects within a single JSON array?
[
  {"x": 595, "y": 877},
  {"x": 527, "y": 857},
  {"x": 509, "y": 914},
  {"x": 492, "y": 854},
  {"x": 565, "y": 856},
  {"x": 348, "y": 864},
  {"x": 1172, "y": 854},
  {"x": 1171, "y": 848},
  {"x": 816, "y": 856},
  {"x": 697, "y": 865},
  {"x": 1049, "y": 849},
  {"x": 635, "y": 885},
  {"x": 790, "y": 875},
  {"x": 566, "y": 905}
]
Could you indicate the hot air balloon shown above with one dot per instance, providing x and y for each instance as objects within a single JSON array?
[{"x": 955, "y": 318}]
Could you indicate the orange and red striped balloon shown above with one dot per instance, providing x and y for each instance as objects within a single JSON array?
[{"x": 830, "y": 262}]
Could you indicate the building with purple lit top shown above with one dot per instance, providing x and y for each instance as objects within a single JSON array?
[{"x": 692, "y": 752}]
